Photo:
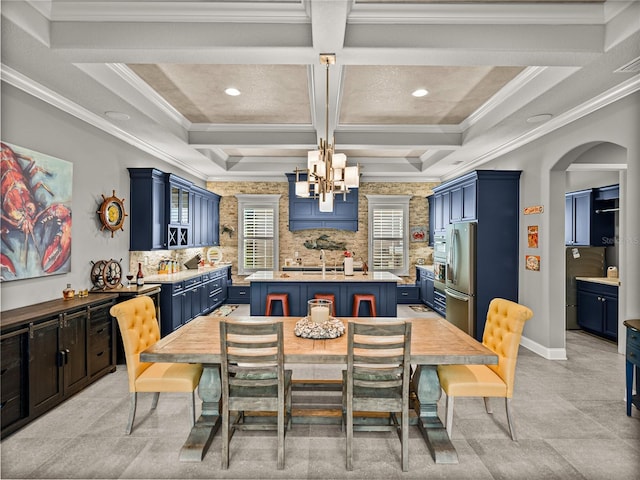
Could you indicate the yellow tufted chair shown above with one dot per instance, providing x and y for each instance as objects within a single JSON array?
[
  {"x": 139, "y": 329},
  {"x": 502, "y": 332}
]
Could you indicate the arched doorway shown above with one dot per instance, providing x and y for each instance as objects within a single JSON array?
[{"x": 592, "y": 165}]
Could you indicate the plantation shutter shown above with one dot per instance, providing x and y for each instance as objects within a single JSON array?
[
  {"x": 388, "y": 242},
  {"x": 258, "y": 236}
]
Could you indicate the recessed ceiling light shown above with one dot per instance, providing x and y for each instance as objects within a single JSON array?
[
  {"x": 543, "y": 117},
  {"x": 117, "y": 115},
  {"x": 421, "y": 92},
  {"x": 234, "y": 92}
]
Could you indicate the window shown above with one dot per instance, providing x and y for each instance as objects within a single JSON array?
[
  {"x": 258, "y": 237},
  {"x": 389, "y": 233}
]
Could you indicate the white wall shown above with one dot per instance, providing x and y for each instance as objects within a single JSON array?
[{"x": 100, "y": 165}]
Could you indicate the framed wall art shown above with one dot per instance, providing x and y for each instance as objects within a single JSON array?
[
  {"x": 36, "y": 214},
  {"x": 419, "y": 234}
]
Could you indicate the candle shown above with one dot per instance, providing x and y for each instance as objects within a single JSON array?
[{"x": 319, "y": 314}]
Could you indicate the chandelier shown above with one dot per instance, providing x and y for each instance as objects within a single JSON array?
[{"x": 327, "y": 172}]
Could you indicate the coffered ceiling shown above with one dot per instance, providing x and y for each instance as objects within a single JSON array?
[{"x": 488, "y": 68}]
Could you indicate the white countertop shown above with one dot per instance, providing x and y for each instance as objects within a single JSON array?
[
  {"x": 604, "y": 280},
  {"x": 182, "y": 274},
  {"x": 270, "y": 276},
  {"x": 426, "y": 267}
]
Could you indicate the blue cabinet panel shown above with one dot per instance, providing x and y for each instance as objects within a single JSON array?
[
  {"x": 147, "y": 224},
  {"x": 304, "y": 213},
  {"x": 300, "y": 292},
  {"x": 598, "y": 308}
]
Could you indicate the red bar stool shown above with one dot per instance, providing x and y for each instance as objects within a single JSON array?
[
  {"x": 328, "y": 296},
  {"x": 278, "y": 297},
  {"x": 364, "y": 297}
]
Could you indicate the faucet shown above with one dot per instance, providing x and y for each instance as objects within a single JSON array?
[{"x": 324, "y": 263}]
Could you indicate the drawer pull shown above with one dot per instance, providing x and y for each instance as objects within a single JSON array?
[
  {"x": 100, "y": 354},
  {"x": 242, "y": 293},
  {"x": 100, "y": 331}
]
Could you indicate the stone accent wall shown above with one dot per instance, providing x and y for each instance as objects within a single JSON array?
[{"x": 291, "y": 242}]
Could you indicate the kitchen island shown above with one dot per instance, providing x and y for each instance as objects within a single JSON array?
[{"x": 302, "y": 286}]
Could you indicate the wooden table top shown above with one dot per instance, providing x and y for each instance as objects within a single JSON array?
[{"x": 434, "y": 341}]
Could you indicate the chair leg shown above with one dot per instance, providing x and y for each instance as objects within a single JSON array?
[
  {"x": 449, "y": 415},
  {"x": 133, "y": 401},
  {"x": 487, "y": 405},
  {"x": 349, "y": 426},
  {"x": 192, "y": 409},
  {"x": 512, "y": 427},
  {"x": 154, "y": 403},
  {"x": 281, "y": 418},
  {"x": 225, "y": 437},
  {"x": 405, "y": 439}
]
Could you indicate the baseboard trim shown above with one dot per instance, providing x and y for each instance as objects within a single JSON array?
[{"x": 544, "y": 352}]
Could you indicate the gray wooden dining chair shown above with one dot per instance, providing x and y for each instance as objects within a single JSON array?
[
  {"x": 253, "y": 380},
  {"x": 377, "y": 380}
]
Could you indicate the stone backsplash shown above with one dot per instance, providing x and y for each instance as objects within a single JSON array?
[{"x": 291, "y": 242}]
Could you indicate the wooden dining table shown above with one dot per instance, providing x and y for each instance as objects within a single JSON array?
[{"x": 434, "y": 341}]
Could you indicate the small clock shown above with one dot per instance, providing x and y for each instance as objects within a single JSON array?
[{"x": 112, "y": 213}]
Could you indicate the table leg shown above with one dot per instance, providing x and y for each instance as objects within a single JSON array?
[
  {"x": 210, "y": 391},
  {"x": 428, "y": 392}
]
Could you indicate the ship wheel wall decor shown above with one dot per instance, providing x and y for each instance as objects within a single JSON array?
[
  {"x": 106, "y": 274},
  {"x": 112, "y": 213}
]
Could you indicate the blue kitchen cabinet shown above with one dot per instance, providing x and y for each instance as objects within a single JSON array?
[
  {"x": 169, "y": 212},
  {"x": 300, "y": 292},
  {"x": 442, "y": 210},
  {"x": 304, "y": 213},
  {"x": 408, "y": 294},
  {"x": 587, "y": 221},
  {"x": 205, "y": 224},
  {"x": 183, "y": 300},
  {"x": 424, "y": 283},
  {"x": 490, "y": 198},
  {"x": 147, "y": 224},
  {"x": 463, "y": 201},
  {"x": 179, "y": 208},
  {"x": 598, "y": 308},
  {"x": 240, "y": 294}
]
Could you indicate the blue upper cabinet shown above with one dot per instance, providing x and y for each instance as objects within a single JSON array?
[
  {"x": 169, "y": 212},
  {"x": 147, "y": 224},
  {"x": 304, "y": 213},
  {"x": 589, "y": 219}
]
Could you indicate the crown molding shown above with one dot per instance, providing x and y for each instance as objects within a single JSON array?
[
  {"x": 129, "y": 76},
  {"x": 179, "y": 11},
  {"x": 608, "y": 97},
  {"x": 490, "y": 14},
  {"x": 37, "y": 90}
]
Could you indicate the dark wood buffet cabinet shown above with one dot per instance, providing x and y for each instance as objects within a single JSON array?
[{"x": 50, "y": 351}]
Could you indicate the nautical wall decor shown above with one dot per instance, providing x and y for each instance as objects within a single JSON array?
[
  {"x": 36, "y": 214},
  {"x": 323, "y": 243}
]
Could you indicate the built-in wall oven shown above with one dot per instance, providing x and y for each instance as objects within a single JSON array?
[{"x": 439, "y": 261}]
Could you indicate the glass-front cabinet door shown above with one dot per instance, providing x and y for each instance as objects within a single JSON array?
[{"x": 180, "y": 204}]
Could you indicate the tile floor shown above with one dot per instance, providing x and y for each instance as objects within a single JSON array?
[{"x": 570, "y": 419}]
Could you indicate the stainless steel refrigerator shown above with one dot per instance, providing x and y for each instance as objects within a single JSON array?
[
  {"x": 580, "y": 262},
  {"x": 460, "y": 286}
]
